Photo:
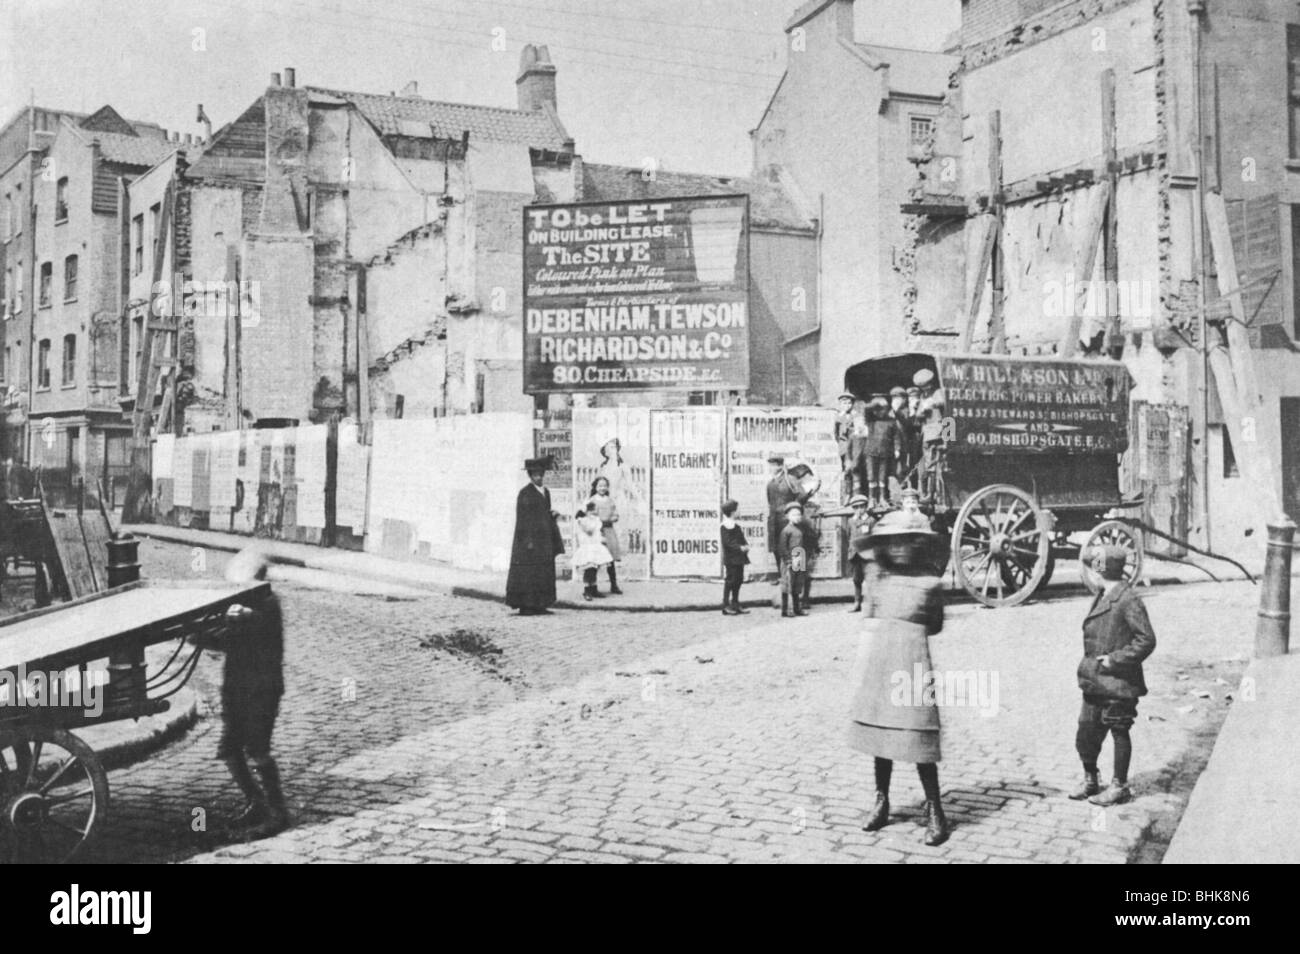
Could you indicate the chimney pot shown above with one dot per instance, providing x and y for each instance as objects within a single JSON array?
[
  {"x": 290, "y": 76},
  {"x": 275, "y": 79}
]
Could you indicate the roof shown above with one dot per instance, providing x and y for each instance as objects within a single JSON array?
[
  {"x": 131, "y": 150},
  {"x": 919, "y": 72},
  {"x": 770, "y": 204},
  {"x": 402, "y": 115}
]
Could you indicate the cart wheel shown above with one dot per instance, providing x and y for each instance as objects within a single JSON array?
[
  {"x": 1001, "y": 545},
  {"x": 1111, "y": 533},
  {"x": 53, "y": 791}
]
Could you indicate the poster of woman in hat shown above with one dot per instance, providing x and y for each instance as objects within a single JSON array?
[
  {"x": 903, "y": 608},
  {"x": 530, "y": 585},
  {"x": 614, "y": 444}
]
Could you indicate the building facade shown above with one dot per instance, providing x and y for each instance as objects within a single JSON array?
[
  {"x": 1159, "y": 110},
  {"x": 843, "y": 128}
]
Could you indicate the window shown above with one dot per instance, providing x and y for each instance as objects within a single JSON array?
[
  {"x": 155, "y": 219},
  {"x": 137, "y": 233},
  {"x": 18, "y": 286},
  {"x": 7, "y": 222},
  {"x": 1293, "y": 87},
  {"x": 47, "y": 276},
  {"x": 70, "y": 278},
  {"x": 919, "y": 130},
  {"x": 61, "y": 200},
  {"x": 69, "y": 360},
  {"x": 18, "y": 209},
  {"x": 9, "y": 293},
  {"x": 43, "y": 364}
]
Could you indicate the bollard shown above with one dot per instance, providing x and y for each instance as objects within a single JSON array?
[
  {"x": 126, "y": 679},
  {"x": 123, "y": 559},
  {"x": 1274, "y": 630}
]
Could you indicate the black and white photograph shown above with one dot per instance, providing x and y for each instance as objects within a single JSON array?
[{"x": 730, "y": 431}]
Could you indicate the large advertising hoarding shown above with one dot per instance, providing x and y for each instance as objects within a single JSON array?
[
  {"x": 637, "y": 295},
  {"x": 686, "y": 492}
]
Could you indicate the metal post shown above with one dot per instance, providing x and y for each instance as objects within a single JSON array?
[{"x": 1274, "y": 630}]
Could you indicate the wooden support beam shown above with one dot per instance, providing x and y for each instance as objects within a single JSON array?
[
  {"x": 997, "y": 324},
  {"x": 1110, "y": 241},
  {"x": 234, "y": 328},
  {"x": 977, "y": 293},
  {"x": 1087, "y": 262},
  {"x": 1234, "y": 372}
]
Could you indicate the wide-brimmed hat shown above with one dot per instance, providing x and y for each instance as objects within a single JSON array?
[
  {"x": 898, "y": 524},
  {"x": 537, "y": 463}
]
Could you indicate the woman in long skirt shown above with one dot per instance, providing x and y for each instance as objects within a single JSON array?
[{"x": 893, "y": 722}]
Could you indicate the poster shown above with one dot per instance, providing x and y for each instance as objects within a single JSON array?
[
  {"x": 637, "y": 295},
  {"x": 685, "y": 492},
  {"x": 164, "y": 448},
  {"x": 754, "y": 434},
  {"x": 1032, "y": 406},
  {"x": 553, "y": 438},
  {"x": 183, "y": 473},
  {"x": 309, "y": 472},
  {"x": 225, "y": 453},
  {"x": 614, "y": 443},
  {"x": 350, "y": 479}
]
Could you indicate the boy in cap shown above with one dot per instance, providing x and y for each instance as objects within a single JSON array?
[
  {"x": 881, "y": 444},
  {"x": 860, "y": 525},
  {"x": 930, "y": 412},
  {"x": 251, "y": 687},
  {"x": 904, "y": 462},
  {"x": 735, "y": 556},
  {"x": 844, "y": 435},
  {"x": 1117, "y": 636},
  {"x": 793, "y": 561}
]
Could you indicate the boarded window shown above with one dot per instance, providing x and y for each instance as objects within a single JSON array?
[{"x": 1255, "y": 227}]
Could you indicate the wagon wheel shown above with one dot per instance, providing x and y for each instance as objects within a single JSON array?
[
  {"x": 1111, "y": 533},
  {"x": 53, "y": 793},
  {"x": 1001, "y": 545}
]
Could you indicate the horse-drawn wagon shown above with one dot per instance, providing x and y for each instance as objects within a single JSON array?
[{"x": 1028, "y": 463}]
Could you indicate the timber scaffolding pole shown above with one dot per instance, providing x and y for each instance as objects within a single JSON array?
[{"x": 138, "y": 507}]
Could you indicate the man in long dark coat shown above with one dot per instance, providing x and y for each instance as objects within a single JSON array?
[{"x": 530, "y": 587}]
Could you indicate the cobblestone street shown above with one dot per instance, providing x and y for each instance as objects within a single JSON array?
[{"x": 445, "y": 729}]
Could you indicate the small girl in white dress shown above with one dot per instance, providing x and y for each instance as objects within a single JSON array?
[{"x": 591, "y": 553}]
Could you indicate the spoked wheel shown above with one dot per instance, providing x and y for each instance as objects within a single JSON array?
[
  {"x": 53, "y": 792},
  {"x": 1001, "y": 545},
  {"x": 1111, "y": 533}
]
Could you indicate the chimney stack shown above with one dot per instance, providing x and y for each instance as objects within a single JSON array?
[
  {"x": 290, "y": 76},
  {"x": 275, "y": 79},
  {"x": 536, "y": 82}
]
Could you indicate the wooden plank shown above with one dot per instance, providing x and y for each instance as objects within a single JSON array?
[
  {"x": 977, "y": 294},
  {"x": 1244, "y": 409},
  {"x": 70, "y": 546},
  {"x": 1087, "y": 262},
  {"x": 1110, "y": 240},
  {"x": 997, "y": 323},
  {"x": 233, "y": 316}
]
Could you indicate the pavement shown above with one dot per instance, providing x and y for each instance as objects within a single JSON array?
[
  {"x": 638, "y": 595},
  {"x": 1245, "y": 808}
]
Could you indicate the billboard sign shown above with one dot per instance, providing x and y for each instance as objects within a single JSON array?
[{"x": 646, "y": 294}]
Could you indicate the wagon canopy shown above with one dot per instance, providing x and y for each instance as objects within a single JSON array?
[{"x": 1013, "y": 405}]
